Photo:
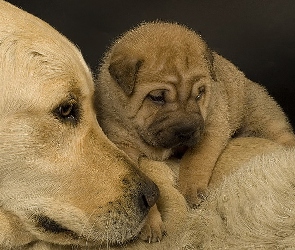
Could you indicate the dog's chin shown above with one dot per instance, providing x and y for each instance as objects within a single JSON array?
[{"x": 115, "y": 233}]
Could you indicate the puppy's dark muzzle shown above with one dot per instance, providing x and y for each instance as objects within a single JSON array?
[
  {"x": 180, "y": 135},
  {"x": 173, "y": 130},
  {"x": 184, "y": 135}
]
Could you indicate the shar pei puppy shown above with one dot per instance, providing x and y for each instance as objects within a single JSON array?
[
  {"x": 161, "y": 91},
  {"x": 61, "y": 180}
]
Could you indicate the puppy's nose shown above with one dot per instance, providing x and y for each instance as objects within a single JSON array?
[
  {"x": 149, "y": 194},
  {"x": 185, "y": 133}
]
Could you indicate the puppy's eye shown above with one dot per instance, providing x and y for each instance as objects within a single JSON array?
[
  {"x": 157, "y": 96},
  {"x": 201, "y": 93},
  {"x": 68, "y": 112}
]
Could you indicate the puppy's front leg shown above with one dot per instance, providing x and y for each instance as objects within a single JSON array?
[
  {"x": 154, "y": 228},
  {"x": 12, "y": 232},
  {"x": 196, "y": 168}
]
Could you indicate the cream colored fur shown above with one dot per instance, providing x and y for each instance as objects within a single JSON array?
[{"x": 252, "y": 209}]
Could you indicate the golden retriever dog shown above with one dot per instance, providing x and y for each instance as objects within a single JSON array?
[
  {"x": 162, "y": 90},
  {"x": 61, "y": 180}
]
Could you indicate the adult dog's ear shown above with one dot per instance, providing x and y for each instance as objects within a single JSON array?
[{"x": 124, "y": 71}]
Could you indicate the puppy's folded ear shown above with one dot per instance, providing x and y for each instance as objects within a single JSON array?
[
  {"x": 124, "y": 71},
  {"x": 210, "y": 59}
]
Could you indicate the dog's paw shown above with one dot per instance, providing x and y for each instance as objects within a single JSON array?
[
  {"x": 195, "y": 199},
  {"x": 195, "y": 196},
  {"x": 153, "y": 232},
  {"x": 154, "y": 228}
]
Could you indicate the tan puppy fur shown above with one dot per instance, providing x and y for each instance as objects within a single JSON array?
[
  {"x": 161, "y": 90},
  {"x": 62, "y": 181}
]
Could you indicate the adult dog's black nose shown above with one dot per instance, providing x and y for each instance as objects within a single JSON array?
[
  {"x": 148, "y": 194},
  {"x": 142, "y": 191}
]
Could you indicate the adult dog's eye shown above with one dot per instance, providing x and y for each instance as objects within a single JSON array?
[
  {"x": 201, "y": 93},
  {"x": 68, "y": 112},
  {"x": 157, "y": 96}
]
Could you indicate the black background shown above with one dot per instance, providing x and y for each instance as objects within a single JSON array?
[{"x": 256, "y": 35}]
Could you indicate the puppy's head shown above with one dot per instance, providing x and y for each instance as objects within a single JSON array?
[
  {"x": 59, "y": 174},
  {"x": 165, "y": 73}
]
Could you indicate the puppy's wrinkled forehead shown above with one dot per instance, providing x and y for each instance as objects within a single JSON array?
[
  {"x": 161, "y": 36},
  {"x": 165, "y": 47}
]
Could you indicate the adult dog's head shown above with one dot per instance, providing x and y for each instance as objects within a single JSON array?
[
  {"x": 158, "y": 77},
  {"x": 60, "y": 177}
]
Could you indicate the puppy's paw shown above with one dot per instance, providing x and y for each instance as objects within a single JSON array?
[
  {"x": 194, "y": 199},
  {"x": 154, "y": 228},
  {"x": 194, "y": 195}
]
